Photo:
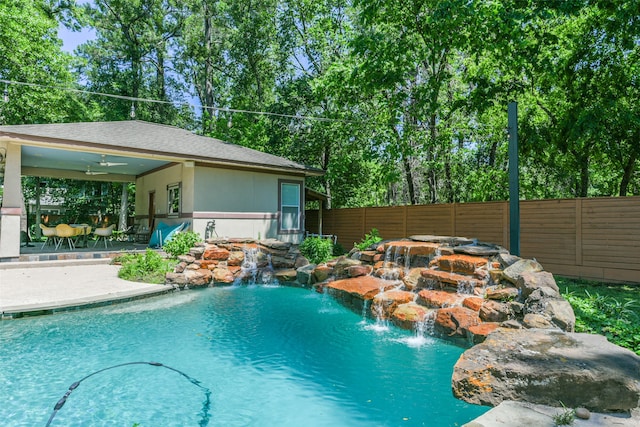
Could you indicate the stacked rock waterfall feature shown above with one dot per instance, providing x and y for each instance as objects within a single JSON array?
[
  {"x": 468, "y": 288},
  {"x": 229, "y": 261},
  {"x": 508, "y": 309}
]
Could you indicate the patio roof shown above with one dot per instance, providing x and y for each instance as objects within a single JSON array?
[{"x": 131, "y": 148}]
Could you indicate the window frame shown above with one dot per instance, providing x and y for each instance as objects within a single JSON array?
[
  {"x": 174, "y": 192},
  {"x": 300, "y": 212}
]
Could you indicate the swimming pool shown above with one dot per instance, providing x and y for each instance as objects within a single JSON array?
[{"x": 270, "y": 356}]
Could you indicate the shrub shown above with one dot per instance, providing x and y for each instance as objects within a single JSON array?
[
  {"x": 338, "y": 250},
  {"x": 149, "y": 267},
  {"x": 181, "y": 243},
  {"x": 317, "y": 249},
  {"x": 370, "y": 239}
]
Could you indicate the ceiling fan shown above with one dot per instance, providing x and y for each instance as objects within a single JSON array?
[
  {"x": 90, "y": 172},
  {"x": 103, "y": 162}
]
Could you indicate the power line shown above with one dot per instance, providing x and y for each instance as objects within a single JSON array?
[
  {"x": 188, "y": 104},
  {"x": 475, "y": 127}
]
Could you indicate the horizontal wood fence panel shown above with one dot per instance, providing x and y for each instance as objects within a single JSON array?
[
  {"x": 429, "y": 219},
  {"x": 387, "y": 221},
  {"x": 589, "y": 238},
  {"x": 347, "y": 224},
  {"x": 482, "y": 221},
  {"x": 610, "y": 236}
]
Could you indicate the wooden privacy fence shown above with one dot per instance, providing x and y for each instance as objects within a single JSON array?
[{"x": 593, "y": 238}]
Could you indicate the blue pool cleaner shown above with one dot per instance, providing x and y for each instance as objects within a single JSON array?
[{"x": 204, "y": 420}]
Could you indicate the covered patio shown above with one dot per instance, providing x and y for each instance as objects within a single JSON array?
[{"x": 180, "y": 178}]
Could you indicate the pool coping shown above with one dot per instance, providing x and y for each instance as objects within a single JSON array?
[{"x": 28, "y": 310}]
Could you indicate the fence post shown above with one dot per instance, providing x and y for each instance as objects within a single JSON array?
[
  {"x": 514, "y": 185},
  {"x": 578, "y": 231}
]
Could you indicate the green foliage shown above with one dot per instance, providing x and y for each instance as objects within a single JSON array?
[
  {"x": 181, "y": 243},
  {"x": 414, "y": 92},
  {"x": 564, "y": 418},
  {"x": 31, "y": 53},
  {"x": 338, "y": 250},
  {"x": 149, "y": 267},
  {"x": 317, "y": 249},
  {"x": 370, "y": 239},
  {"x": 606, "y": 309}
]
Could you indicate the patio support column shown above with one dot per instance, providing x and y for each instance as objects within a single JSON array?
[{"x": 11, "y": 209}]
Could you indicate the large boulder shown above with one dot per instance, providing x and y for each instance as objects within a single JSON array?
[
  {"x": 549, "y": 367},
  {"x": 529, "y": 281},
  {"x": 198, "y": 278},
  {"x": 495, "y": 311},
  {"x": 406, "y": 316},
  {"x": 460, "y": 263},
  {"x": 355, "y": 291},
  {"x": 455, "y": 321},
  {"x": 304, "y": 274},
  {"x": 385, "y": 303},
  {"x": 515, "y": 270}
]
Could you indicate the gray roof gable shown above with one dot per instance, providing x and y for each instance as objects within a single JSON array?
[{"x": 140, "y": 136}]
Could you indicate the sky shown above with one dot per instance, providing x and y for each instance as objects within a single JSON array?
[{"x": 71, "y": 39}]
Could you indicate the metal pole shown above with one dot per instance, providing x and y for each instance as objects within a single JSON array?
[{"x": 514, "y": 183}]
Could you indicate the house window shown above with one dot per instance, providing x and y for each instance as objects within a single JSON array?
[
  {"x": 173, "y": 198},
  {"x": 290, "y": 202}
]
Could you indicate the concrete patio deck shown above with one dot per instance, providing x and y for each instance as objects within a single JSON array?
[{"x": 45, "y": 287}]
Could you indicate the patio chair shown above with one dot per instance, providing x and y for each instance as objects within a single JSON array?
[
  {"x": 103, "y": 233},
  {"x": 50, "y": 234},
  {"x": 65, "y": 232}
]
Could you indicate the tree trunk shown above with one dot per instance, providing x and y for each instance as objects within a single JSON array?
[
  {"x": 408, "y": 174},
  {"x": 160, "y": 81},
  {"x": 207, "y": 123},
  {"x": 628, "y": 172},
  {"x": 584, "y": 178},
  {"x": 326, "y": 157},
  {"x": 582, "y": 163},
  {"x": 124, "y": 208}
]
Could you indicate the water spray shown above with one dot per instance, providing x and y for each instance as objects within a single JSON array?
[{"x": 204, "y": 419}]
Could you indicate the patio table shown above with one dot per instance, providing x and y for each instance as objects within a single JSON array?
[{"x": 85, "y": 228}]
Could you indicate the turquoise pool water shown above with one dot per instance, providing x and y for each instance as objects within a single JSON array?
[{"x": 270, "y": 356}]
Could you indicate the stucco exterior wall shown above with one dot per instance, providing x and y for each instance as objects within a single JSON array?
[
  {"x": 240, "y": 203},
  {"x": 157, "y": 182}
]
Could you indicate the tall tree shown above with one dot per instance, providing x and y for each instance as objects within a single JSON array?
[
  {"x": 129, "y": 55},
  {"x": 32, "y": 55},
  {"x": 409, "y": 53}
]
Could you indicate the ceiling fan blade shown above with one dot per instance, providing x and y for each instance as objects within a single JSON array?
[
  {"x": 105, "y": 163},
  {"x": 90, "y": 172}
]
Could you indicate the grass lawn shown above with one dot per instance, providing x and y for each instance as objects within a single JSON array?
[{"x": 612, "y": 310}]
